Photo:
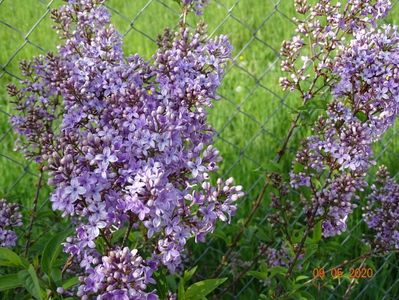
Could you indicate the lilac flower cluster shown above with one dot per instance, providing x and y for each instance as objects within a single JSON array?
[
  {"x": 198, "y": 5},
  {"x": 275, "y": 257},
  {"x": 133, "y": 151},
  {"x": 324, "y": 28},
  {"x": 365, "y": 84},
  {"x": 121, "y": 274},
  {"x": 382, "y": 211},
  {"x": 10, "y": 217},
  {"x": 339, "y": 154},
  {"x": 369, "y": 72}
]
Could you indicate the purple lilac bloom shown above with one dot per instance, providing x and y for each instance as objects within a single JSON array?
[
  {"x": 10, "y": 217},
  {"x": 327, "y": 26},
  {"x": 134, "y": 149},
  {"x": 274, "y": 257},
  {"x": 198, "y": 5},
  {"x": 382, "y": 211},
  {"x": 365, "y": 105},
  {"x": 122, "y": 274}
]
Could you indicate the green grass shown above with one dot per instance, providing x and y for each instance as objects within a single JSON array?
[{"x": 251, "y": 118}]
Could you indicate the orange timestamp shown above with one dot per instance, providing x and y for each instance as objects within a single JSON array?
[{"x": 336, "y": 273}]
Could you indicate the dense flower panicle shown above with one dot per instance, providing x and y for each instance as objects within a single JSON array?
[
  {"x": 122, "y": 274},
  {"x": 364, "y": 79},
  {"x": 335, "y": 202},
  {"x": 278, "y": 257},
  {"x": 340, "y": 148},
  {"x": 369, "y": 76},
  {"x": 275, "y": 257},
  {"x": 10, "y": 217},
  {"x": 134, "y": 150},
  {"x": 382, "y": 211},
  {"x": 324, "y": 28}
]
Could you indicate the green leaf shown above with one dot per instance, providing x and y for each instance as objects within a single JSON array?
[
  {"x": 31, "y": 282},
  {"x": 258, "y": 275},
  {"x": 56, "y": 275},
  {"x": 189, "y": 274},
  {"x": 52, "y": 250},
  {"x": 278, "y": 270},
  {"x": 161, "y": 284},
  {"x": 10, "y": 281},
  {"x": 201, "y": 289},
  {"x": 70, "y": 282},
  {"x": 301, "y": 277},
  {"x": 181, "y": 293},
  {"x": 361, "y": 116},
  {"x": 297, "y": 235},
  {"x": 9, "y": 258},
  {"x": 317, "y": 232}
]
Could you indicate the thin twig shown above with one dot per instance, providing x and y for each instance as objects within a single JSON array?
[
  {"x": 33, "y": 214},
  {"x": 298, "y": 249},
  {"x": 105, "y": 239},
  {"x": 351, "y": 285},
  {"x": 283, "y": 149},
  {"x": 243, "y": 272},
  {"x": 255, "y": 207},
  {"x": 126, "y": 236}
]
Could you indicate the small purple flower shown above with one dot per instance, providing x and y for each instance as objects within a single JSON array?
[
  {"x": 10, "y": 217},
  {"x": 74, "y": 190},
  {"x": 382, "y": 211}
]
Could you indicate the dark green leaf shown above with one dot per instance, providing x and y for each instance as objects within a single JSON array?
[
  {"x": 297, "y": 235},
  {"x": 70, "y": 282},
  {"x": 278, "y": 270},
  {"x": 161, "y": 284},
  {"x": 31, "y": 282},
  {"x": 259, "y": 275},
  {"x": 201, "y": 289},
  {"x": 361, "y": 116},
  {"x": 10, "y": 281},
  {"x": 52, "y": 250},
  {"x": 317, "y": 232},
  {"x": 181, "y": 293},
  {"x": 56, "y": 275},
  {"x": 8, "y": 258}
]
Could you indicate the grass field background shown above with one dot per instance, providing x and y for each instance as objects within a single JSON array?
[{"x": 251, "y": 118}]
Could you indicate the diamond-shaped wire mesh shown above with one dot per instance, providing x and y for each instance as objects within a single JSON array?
[{"x": 250, "y": 118}]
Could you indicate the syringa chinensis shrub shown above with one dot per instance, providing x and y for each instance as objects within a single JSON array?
[
  {"x": 344, "y": 65},
  {"x": 126, "y": 145}
]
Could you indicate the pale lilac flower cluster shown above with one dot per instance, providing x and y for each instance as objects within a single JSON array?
[
  {"x": 382, "y": 211},
  {"x": 198, "y": 5},
  {"x": 134, "y": 150},
  {"x": 323, "y": 31},
  {"x": 365, "y": 85},
  {"x": 121, "y": 274},
  {"x": 278, "y": 257},
  {"x": 340, "y": 150},
  {"x": 10, "y": 217},
  {"x": 369, "y": 76},
  {"x": 275, "y": 257}
]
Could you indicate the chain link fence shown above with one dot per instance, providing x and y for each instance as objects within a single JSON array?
[{"x": 251, "y": 118}]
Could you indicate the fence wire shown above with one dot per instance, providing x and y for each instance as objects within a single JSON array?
[{"x": 246, "y": 134}]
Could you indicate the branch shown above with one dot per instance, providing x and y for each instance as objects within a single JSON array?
[
  {"x": 33, "y": 214},
  {"x": 255, "y": 207}
]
